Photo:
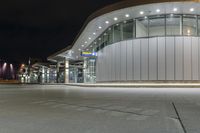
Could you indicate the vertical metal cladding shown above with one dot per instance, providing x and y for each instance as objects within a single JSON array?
[{"x": 156, "y": 58}]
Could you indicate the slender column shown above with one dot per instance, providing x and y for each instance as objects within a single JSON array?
[
  {"x": 66, "y": 73},
  {"x": 57, "y": 71},
  {"x": 85, "y": 71}
]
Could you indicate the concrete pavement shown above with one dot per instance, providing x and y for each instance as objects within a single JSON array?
[{"x": 70, "y": 109}]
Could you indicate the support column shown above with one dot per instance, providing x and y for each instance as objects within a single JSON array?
[
  {"x": 85, "y": 71},
  {"x": 66, "y": 73},
  {"x": 57, "y": 71}
]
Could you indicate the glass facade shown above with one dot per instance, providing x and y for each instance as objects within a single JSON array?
[
  {"x": 90, "y": 70},
  {"x": 151, "y": 26}
]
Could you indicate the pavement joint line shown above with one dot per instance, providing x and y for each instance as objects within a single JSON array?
[
  {"x": 179, "y": 118},
  {"x": 127, "y": 112}
]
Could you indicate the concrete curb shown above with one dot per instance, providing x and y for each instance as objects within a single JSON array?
[{"x": 136, "y": 85}]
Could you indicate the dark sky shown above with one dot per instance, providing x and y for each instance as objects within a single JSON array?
[{"x": 38, "y": 28}]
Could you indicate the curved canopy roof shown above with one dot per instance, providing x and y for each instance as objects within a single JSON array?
[{"x": 103, "y": 18}]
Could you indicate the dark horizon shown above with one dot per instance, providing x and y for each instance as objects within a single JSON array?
[{"x": 35, "y": 29}]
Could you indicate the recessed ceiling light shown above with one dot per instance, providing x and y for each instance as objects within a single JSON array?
[
  {"x": 115, "y": 18},
  {"x": 77, "y": 57},
  {"x": 89, "y": 38},
  {"x": 79, "y": 49},
  {"x": 87, "y": 49},
  {"x": 127, "y": 15},
  {"x": 107, "y": 22},
  {"x": 82, "y": 45},
  {"x": 141, "y": 12},
  {"x": 90, "y": 46},
  {"x": 99, "y": 39},
  {"x": 100, "y": 27},
  {"x": 94, "y": 33},
  {"x": 158, "y": 10},
  {"x": 192, "y": 9},
  {"x": 86, "y": 42},
  {"x": 175, "y": 9},
  {"x": 145, "y": 17},
  {"x": 171, "y": 15}
]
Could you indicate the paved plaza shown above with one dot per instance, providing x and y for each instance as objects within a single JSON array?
[{"x": 67, "y": 109}]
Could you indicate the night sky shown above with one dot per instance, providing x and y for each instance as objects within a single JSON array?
[{"x": 38, "y": 28}]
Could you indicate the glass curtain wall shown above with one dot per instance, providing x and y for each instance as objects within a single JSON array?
[
  {"x": 189, "y": 25},
  {"x": 151, "y": 26},
  {"x": 90, "y": 70}
]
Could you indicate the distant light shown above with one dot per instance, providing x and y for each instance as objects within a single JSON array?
[
  {"x": 127, "y": 15},
  {"x": 175, "y": 9},
  {"x": 99, "y": 39},
  {"x": 4, "y": 66},
  {"x": 79, "y": 49},
  {"x": 94, "y": 33},
  {"x": 100, "y": 27},
  {"x": 158, "y": 10},
  {"x": 82, "y": 45},
  {"x": 11, "y": 67},
  {"x": 115, "y": 18},
  {"x": 85, "y": 42},
  {"x": 77, "y": 57},
  {"x": 171, "y": 15},
  {"x": 141, "y": 13},
  {"x": 192, "y": 9},
  {"x": 188, "y": 31},
  {"x": 145, "y": 17},
  {"x": 107, "y": 22},
  {"x": 87, "y": 49},
  {"x": 89, "y": 38}
]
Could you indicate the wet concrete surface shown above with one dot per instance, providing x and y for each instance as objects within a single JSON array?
[{"x": 67, "y": 109}]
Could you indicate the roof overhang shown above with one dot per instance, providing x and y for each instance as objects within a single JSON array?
[{"x": 133, "y": 8}]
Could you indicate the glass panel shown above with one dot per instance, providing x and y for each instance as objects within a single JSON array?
[
  {"x": 95, "y": 46},
  {"x": 173, "y": 25},
  {"x": 157, "y": 26},
  {"x": 117, "y": 33},
  {"x": 189, "y": 25},
  {"x": 110, "y": 35},
  {"x": 199, "y": 26},
  {"x": 99, "y": 42},
  {"x": 105, "y": 38},
  {"x": 142, "y": 27},
  {"x": 128, "y": 29}
]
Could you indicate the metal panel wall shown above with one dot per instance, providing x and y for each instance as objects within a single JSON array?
[
  {"x": 187, "y": 58},
  {"x": 153, "y": 57},
  {"x": 179, "y": 58},
  {"x": 109, "y": 56},
  {"x": 144, "y": 59},
  {"x": 123, "y": 61},
  {"x": 136, "y": 56},
  {"x": 118, "y": 61},
  {"x": 105, "y": 64},
  {"x": 158, "y": 58},
  {"x": 161, "y": 58},
  {"x": 195, "y": 59},
  {"x": 113, "y": 58},
  {"x": 170, "y": 58},
  {"x": 129, "y": 50}
]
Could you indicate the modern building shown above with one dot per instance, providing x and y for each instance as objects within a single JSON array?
[
  {"x": 38, "y": 73},
  {"x": 136, "y": 40}
]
